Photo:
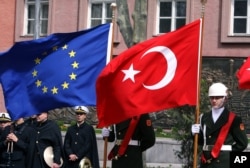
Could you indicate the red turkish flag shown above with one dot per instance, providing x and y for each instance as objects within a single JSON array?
[
  {"x": 243, "y": 75},
  {"x": 156, "y": 74}
]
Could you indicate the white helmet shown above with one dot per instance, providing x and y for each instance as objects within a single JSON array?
[{"x": 217, "y": 89}]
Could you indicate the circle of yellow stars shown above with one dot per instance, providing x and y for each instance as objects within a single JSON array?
[{"x": 64, "y": 85}]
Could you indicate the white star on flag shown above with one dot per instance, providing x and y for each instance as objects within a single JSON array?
[{"x": 130, "y": 73}]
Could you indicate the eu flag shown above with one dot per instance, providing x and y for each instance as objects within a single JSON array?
[{"x": 53, "y": 72}]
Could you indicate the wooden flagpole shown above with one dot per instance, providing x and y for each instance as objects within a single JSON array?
[
  {"x": 113, "y": 6},
  {"x": 197, "y": 112}
]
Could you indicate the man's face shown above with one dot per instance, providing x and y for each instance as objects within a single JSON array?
[
  {"x": 42, "y": 117},
  {"x": 4, "y": 124},
  {"x": 217, "y": 101},
  {"x": 80, "y": 117}
]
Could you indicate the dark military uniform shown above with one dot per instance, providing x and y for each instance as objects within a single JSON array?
[
  {"x": 19, "y": 156},
  {"x": 47, "y": 134},
  {"x": 236, "y": 139},
  {"x": 142, "y": 139},
  {"x": 81, "y": 141}
]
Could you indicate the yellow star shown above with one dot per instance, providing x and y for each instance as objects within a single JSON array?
[
  {"x": 55, "y": 48},
  {"x": 44, "y": 53},
  {"x": 65, "y": 85},
  {"x": 72, "y": 53},
  {"x": 34, "y": 73},
  {"x": 37, "y": 60},
  {"x": 72, "y": 76},
  {"x": 54, "y": 90},
  {"x": 45, "y": 89},
  {"x": 75, "y": 64},
  {"x": 38, "y": 83},
  {"x": 65, "y": 47}
]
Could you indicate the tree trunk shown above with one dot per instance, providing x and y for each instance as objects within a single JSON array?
[
  {"x": 140, "y": 21},
  {"x": 123, "y": 22}
]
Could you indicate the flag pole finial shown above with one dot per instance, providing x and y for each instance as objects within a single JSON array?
[
  {"x": 203, "y": 2},
  {"x": 113, "y": 6}
]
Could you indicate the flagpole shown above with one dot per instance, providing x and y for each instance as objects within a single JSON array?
[
  {"x": 37, "y": 20},
  {"x": 197, "y": 112},
  {"x": 113, "y": 6}
]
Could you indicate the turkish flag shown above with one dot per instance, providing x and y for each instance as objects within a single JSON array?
[
  {"x": 156, "y": 74},
  {"x": 243, "y": 75}
]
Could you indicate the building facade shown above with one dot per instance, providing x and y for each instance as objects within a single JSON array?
[{"x": 226, "y": 31}]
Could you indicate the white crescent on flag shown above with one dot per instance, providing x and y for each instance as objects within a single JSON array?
[
  {"x": 172, "y": 64},
  {"x": 169, "y": 75}
]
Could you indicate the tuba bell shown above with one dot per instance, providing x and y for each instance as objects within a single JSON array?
[{"x": 85, "y": 163}]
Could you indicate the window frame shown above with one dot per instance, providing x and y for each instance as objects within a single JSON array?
[
  {"x": 173, "y": 15},
  {"x": 227, "y": 23},
  {"x": 26, "y": 19},
  {"x": 104, "y": 17}
]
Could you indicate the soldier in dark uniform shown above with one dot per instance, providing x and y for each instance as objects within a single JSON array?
[
  {"x": 47, "y": 135},
  {"x": 14, "y": 144},
  {"x": 80, "y": 142},
  {"x": 31, "y": 121},
  {"x": 142, "y": 138},
  {"x": 210, "y": 128},
  {"x": 5, "y": 120}
]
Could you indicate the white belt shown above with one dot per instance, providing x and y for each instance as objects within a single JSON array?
[
  {"x": 131, "y": 142},
  {"x": 223, "y": 147}
]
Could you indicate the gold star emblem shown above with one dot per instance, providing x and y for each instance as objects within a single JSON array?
[
  {"x": 38, "y": 83},
  {"x": 37, "y": 60},
  {"x": 72, "y": 53},
  {"x": 65, "y": 85},
  {"x": 55, "y": 48},
  {"x": 34, "y": 73},
  {"x": 75, "y": 65},
  {"x": 44, "y": 53},
  {"x": 65, "y": 47},
  {"x": 72, "y": 76},
  {"x": 54, "y": 90},
  {"x": 45, "y": 89}
]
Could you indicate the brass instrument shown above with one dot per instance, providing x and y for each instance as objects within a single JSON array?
[
  {"x": 85, "y": 163},
  {"x": 48, "y": 156},
  {"x": 10, "y": 148}
]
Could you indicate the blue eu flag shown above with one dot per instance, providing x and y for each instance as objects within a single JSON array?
[{"x": 53, "y": 72}]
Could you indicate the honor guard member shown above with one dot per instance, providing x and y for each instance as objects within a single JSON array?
[
  {"x": 142, "y": 138},
  {"x": 47, "y": 146},
  {"x": 80, "y": 145},
  {"x": 220, "y": 131},
  {"x": 14, "y": 144},
  {"x": 5, "y": 120}
]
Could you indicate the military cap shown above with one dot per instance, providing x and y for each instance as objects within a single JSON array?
[
  {"x": 4, "y": 117},
  {"x": 81, "y": 109}
]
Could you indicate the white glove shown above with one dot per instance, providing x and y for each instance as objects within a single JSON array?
[
  {"x": 105, "y": 132},
  {"x": 195, "y": 128}
]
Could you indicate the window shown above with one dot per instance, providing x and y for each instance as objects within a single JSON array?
[
  {"x": 100, "y": 12},
  {"x": 30, "y": 17},
  {"x": 240, "y": 17},
  {"x": 235, "y": 21},
  {"x": 171, "y": 15}
]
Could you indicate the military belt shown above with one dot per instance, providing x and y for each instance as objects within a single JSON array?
[
  {"x": 131, "y": 142},
  {"x": 223, "y": 147}
]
